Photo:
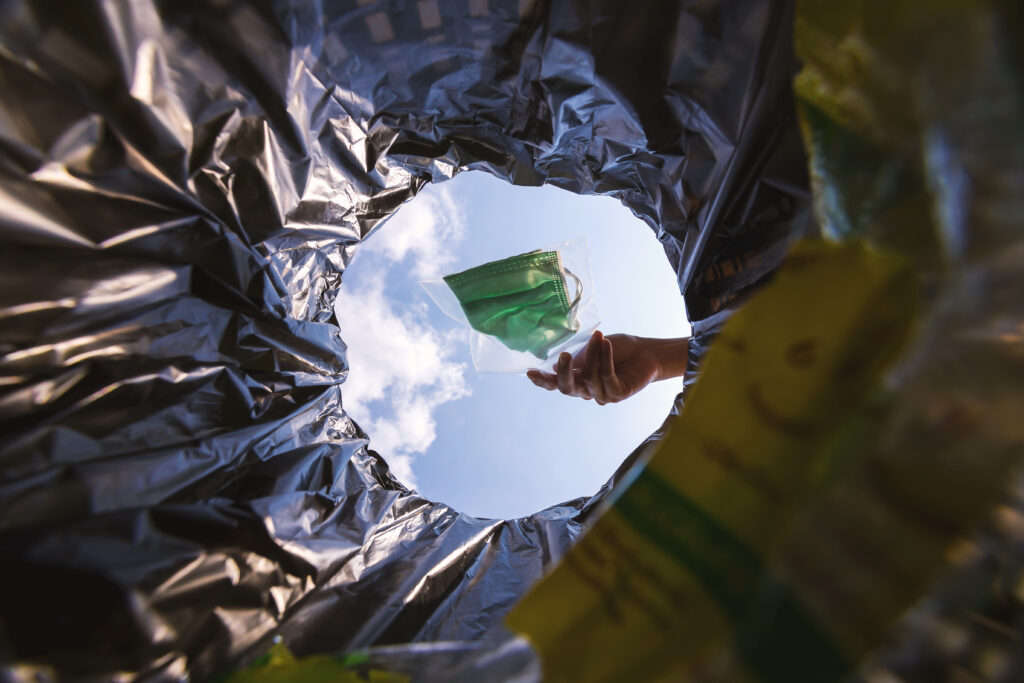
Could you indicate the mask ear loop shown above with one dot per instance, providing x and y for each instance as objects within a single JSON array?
[{"x": 576, "y": 299}]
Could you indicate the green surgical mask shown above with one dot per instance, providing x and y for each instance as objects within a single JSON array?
[{"x": 522, "y": 300}]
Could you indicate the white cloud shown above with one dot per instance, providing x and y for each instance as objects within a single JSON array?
[
  {"x": 399, "y": 363},
  {"x": 427, "y": 229}
]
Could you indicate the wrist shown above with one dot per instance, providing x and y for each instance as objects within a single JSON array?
[{"x": 670, "y": 356}]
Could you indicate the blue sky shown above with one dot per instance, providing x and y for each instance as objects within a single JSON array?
[{"x": 495, "y": 445}]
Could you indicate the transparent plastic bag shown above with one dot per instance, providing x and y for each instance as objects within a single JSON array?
[{"x": 492, "y": 354}]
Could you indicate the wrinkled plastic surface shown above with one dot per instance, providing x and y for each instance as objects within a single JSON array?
[
  {"x": 491, "y": 354},
  {"x": 182, "y": 187},
  {"x": 184, "y": 184},
  {"x": 770, "y": 541}
]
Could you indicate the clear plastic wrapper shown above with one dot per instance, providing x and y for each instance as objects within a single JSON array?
[{"x": 515, "y": 330}]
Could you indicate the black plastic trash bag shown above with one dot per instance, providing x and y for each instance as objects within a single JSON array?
[{"x": 183, "y": 185}]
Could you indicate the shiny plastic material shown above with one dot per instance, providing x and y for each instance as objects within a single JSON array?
[
  {"x": 183, "y": 186},
  {"x": 904, "y": 546}
]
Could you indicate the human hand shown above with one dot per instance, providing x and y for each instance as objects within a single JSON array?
[{"x": 609, "y": 369}]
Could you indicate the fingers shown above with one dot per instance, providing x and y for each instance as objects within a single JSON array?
[
  {"x": 609, "y": 380},
  {"x": 569, "y": 381},
  {"x": 563, "y": 368},
  {"x": 591, "y": 368},
  {"x": 543, "y": 380}
]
